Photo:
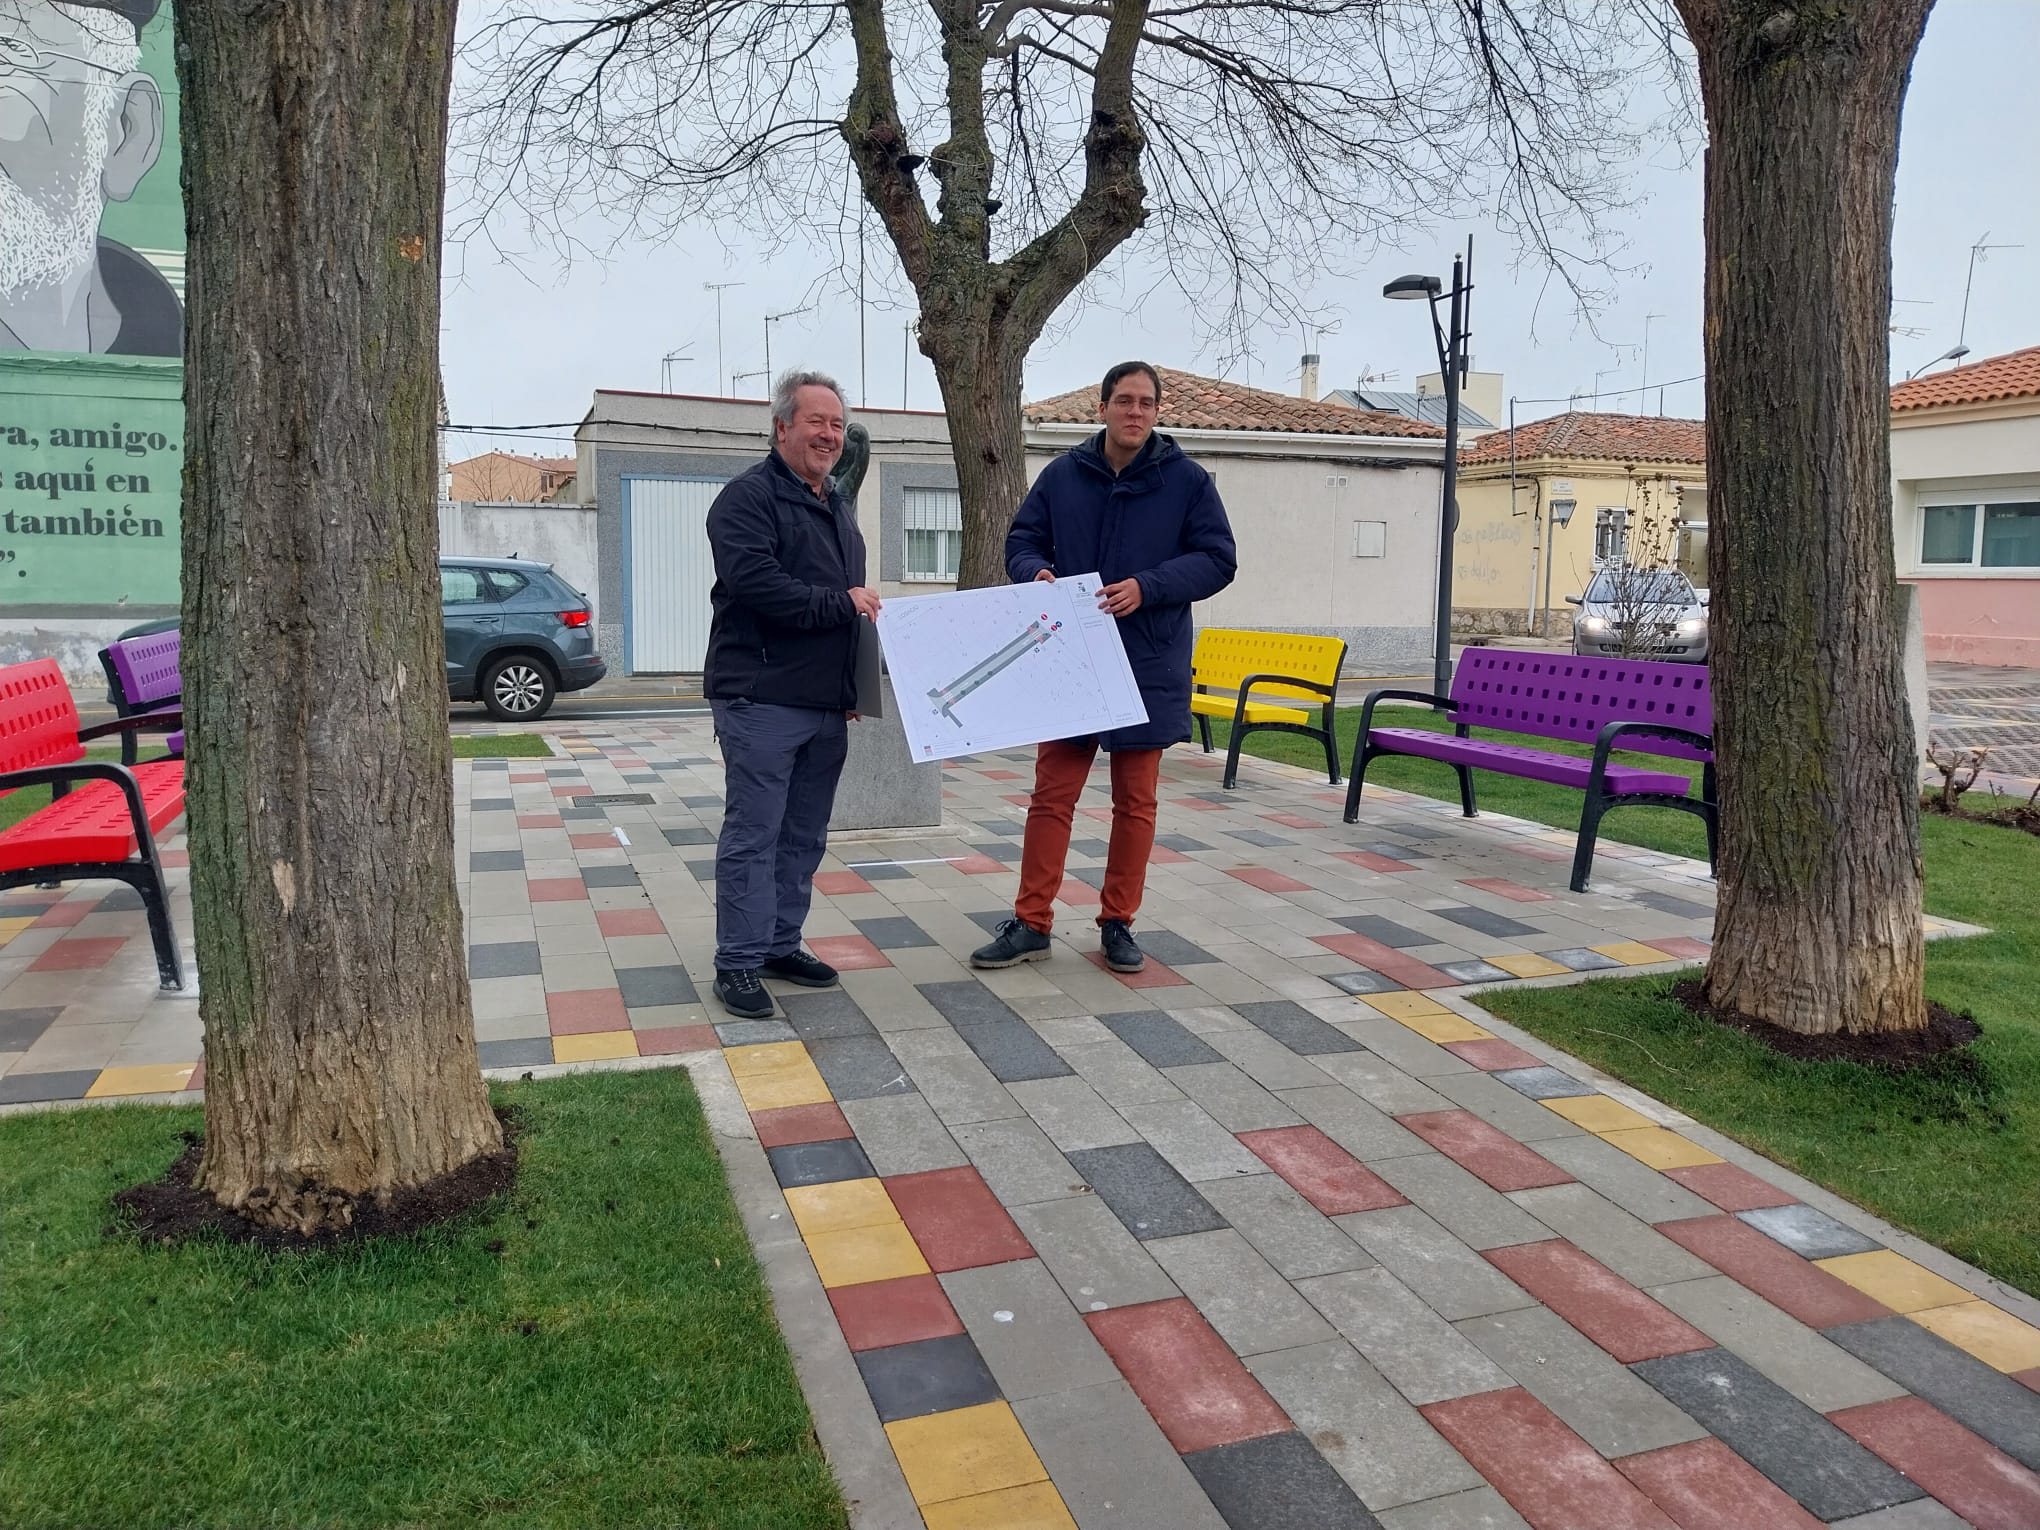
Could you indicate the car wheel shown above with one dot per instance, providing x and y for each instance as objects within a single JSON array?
[{"x": 517, "y": 689}]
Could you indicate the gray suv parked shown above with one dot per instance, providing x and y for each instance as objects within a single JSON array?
[{"x": 517, "y": 634}]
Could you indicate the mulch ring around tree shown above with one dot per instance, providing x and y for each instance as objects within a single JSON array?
[
  {"x": 1946, "y": 1035},
  {"x": 172, "y": 1210},
  {"x": 2017, "y": 815}
]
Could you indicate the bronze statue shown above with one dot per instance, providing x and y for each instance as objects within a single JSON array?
[{"x": 851, "y": 465}]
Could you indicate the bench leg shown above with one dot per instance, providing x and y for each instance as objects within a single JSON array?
[
  {"x": 156, "y": 899},
  {"x": 1466, "y": 789},
  {"x": 1331, "y": 758},
  {"x": 1232, "y": 756},
  {"x": 1204, "y": 731},
  {"x": 1362, "y": 754},
  {"x": 1583, "y": 851}
]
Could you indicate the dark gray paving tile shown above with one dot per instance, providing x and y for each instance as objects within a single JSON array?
[
  {"x": 1417, "y": 830},
  {"x": 610, "y": 876},
  {"x": 1261, "y": 839},
  {"x": 880, "y": 871},
  {"x": 491, "y": 805},
  {"x": 1473, "y": 972},
  {"x": 1809, "y": 1233},
  {"x": 1163, "y": 1042},
  {"x": 643, "y": 778},
  {"x": 895, "y": 934},
  {"x": 1182, "y": 844},
  {"x": 1684, "y": 908},
  {"x": 963, "y": 1002},
  {"x": 1387, "y": 931},
  {"x": 1362, "y": 981},
  {"x": 1090, "y": 876},
  {"x": 701, "y": 871},
  {"x": 1394, "y": 851},
  {"x": 859, "y": 1067},
  {"x": 20, "y": 1027},
  {"x": 495, "y": 860},
  {"x": 125, "y": 900},
  {"x": 698, "y": 803},
  {"x": 71, "y": 1084},
  {"x": 1543, "y": 1083},
  {"x": 652, "y": 987},
  {"x": 510, "y": 958},
  {"x": 691, "y": 834},
  {"x": 929, "y": 1376},
  {"x": 999, "y": 850},
  {"x": 1278, "y": 1482},
  {"x": 1296, "y": 1028},
  {"x": 1778, "y": 1434},
  {"x": 1144, "y": 1191},
  {"x": 581, "y": 810},
  {"x": 989, "y": 920},
  {"x": 1484, "y": 920},
  {"x": 480, "y": 765},
  {"x": 1580, "y": 959},
  {"x": 1172, "y": 950},
  {"x": 814, "y": 1016},
  {"x": 1097, "y": 849},
  {"x": 1012, "y": 1050},
  {"x": 1972, "y": 1393},
  {"x": 1002, "y": 826},
  {"x": 753, "y": 1033},
  {"x": 522, "y": 1052},
  {"x": 819, "y": 1163}
]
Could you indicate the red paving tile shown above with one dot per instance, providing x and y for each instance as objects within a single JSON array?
[
  {"x": 793, "y": 1123},
  {"x": 1502, "y": 887},
  {"x": 527, "y": 778},
  {"x": 197, "y": 1079},
  {"x": 556, "y": 889},
  {"x": 1386, "y": 960},
  {"x": 883, "y": 1312},
  {"x": 1079, "y": 894},
  {"x": 573, "y": 791},
  {"x": 1773, "y": 1271},
  {"x": 1294, "y": 820},
  {"x": 665, "y": 1040},
  {"x": 1542, "y": 852},
  {"x": 1966, "y": 1472},
  {"x": 1186, "y": 1375},
  {"x": 1550, "y": 1476},
  {"x": 2029, "y": 1378},
  {"x": 172, "y": 859},
  {"x": 1266, "y": 880},
  {"x": 1372, "y": 861},
  {"x": 1196, "y": 804},
  {"x": 1499, "y": 1159},
  {"x": 841, "y": 884},
  {"x": 1153, "y": 975},
  {"x": 1492, "y": 1056},
  {"x": 1321, "y": 1171},
  {"x": 1018, "y": 799},
  {"x": 1597, "y": 1301},
  {"x": 1162, "y": 855},
  {"x": 540, "y": 821},
  {"x": 592, "y": 841},
  {"x": 1099, "y": 814},
  {"x": 73, "y": 954},
  {"x": 629, "y": 921},
  {"x": 1706, "y": 1486},
  {"x": 1730, "y": 1188},
  {"x": 957, "y": 1221},
  {"x": 584, "y": 1010},
  {"x": 1002, "y": 775},
  {"x": 848, "y": 953},
  {"x": 1681, "y": 946},
  {"x": 66, "y": 914},
  {"x": 978, "y": 865}
]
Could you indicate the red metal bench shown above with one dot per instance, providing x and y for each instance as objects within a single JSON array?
[
  {"x": 142, "y": 676},
  {"x": 1636, "y": 705},
  {"x": 102, "y": 830}
]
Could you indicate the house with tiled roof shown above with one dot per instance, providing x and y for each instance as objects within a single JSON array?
[
  {"x": 1965, "y": 505},
  {"x": 510, "y": 478},
  {"x": 1545, "y": 505}
]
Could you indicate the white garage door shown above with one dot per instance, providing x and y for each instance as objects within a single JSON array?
[{"x": 667, "y": 571}]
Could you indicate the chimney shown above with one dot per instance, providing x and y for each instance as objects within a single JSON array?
[{"x": 1310, "y": 376}]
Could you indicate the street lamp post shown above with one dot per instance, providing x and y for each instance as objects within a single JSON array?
[{"x": 1452, "y": 365}]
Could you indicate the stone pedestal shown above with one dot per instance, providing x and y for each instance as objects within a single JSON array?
[
  {"x": 882, "y": 787},
  {"x": 1913, "y": 638}
]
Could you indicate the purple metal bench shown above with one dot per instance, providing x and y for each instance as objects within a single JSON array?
[
  {"x": 1633, "y": 704},
  {"x": 142, "y": 678}
]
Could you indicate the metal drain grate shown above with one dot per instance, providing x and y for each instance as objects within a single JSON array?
[{"x": 620, "y": 799}]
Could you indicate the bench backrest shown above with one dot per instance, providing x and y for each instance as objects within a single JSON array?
[
  {"x": 143, "y": 670},
  {"x": 38, "y": 718},
  {"x": 1564, "y": 696},
  {"x": 1225, "y": 656}
]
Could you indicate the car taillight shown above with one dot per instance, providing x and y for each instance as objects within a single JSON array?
[{"x": 573, "y": 618}]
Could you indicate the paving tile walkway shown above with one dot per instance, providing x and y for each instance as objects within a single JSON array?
[{"x": 1284, "y": 1231}]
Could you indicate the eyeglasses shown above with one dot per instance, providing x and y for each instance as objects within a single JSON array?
[{"x": 20, "y": 56}]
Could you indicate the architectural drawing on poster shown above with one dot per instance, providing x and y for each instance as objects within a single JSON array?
[{"x": 991, "y": 669}]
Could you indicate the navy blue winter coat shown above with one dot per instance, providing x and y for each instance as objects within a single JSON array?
[{"x": 1159, "y": 522}]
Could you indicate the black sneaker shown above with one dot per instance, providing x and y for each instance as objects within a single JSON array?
[
  {"x": 1122, "y": 951},
  {"x": 742, "y": 994},
  {"x": 799, "y": 967},
  {"x": 1017, "y": 943}
]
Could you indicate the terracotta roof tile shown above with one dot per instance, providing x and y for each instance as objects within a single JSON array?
[
  {"x": 1190, "y": 402},
  {"x": 1602, "y": 437},
  {"x": 2014, "y": 375}
]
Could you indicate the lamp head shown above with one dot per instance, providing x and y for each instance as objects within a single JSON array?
[{"x": 1407, "y": 287}]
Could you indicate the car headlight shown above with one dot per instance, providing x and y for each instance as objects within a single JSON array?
[
  {"x": 1594, "y": 625},
  {"x": 1697, "y": 627}
]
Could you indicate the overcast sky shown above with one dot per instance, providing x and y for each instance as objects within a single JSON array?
[{"x": 531, "y": 346}]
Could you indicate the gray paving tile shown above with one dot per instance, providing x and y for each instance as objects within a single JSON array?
[
  {"x": 1013, "y": 827},
  {"x": 1278, "y": 1482},
  {"x": 1112, "y": 1464},
  {"x": 1684, "y": 908},
  {"x": 752, "y": 1033},
  {"x": 1386, "y": 931},
  {"x": 1190, "y": 1139},
  {"x": 1480, "y": 1508},
  {"x": 1474, "y": 972},
  {"x": 1972, "y": 1393},
  {"x": 64, "y": 1084},
  {"x": 1090, "y": 876},
  {"x": 1096, "y": 1261},
  {"x": 1368, "y": 1134},
  {"x": 1182, "y": 844},
  {"x": 1018, "y": 1161},
  {"x": 1454, "y": 1281},
  {"x": 880, "y": 871},
  {"x": 1616, "y": 1413},
  {"x": 1119, "y": 1074},
  {"x": 1485, "y": 920},
  {"x": 1500, "y": 1106},
  {"x": 1543, "y": 1083},
  {"x": 495, "y": 860},
  {"x": 655, "y": 987},
  {"x": 1920, "y": 1514},
  {"x": 1173, "y": 950},
  {"x": 815, "y": 1016},
  {"x": 1820, "y": 1374},
  {"x": 819, "y": 1163},
  {"x": 1070, "y": 1112},
  {"x": 1402, "y": 1046},
  {"x": 1362, "y": 980},
  {"x": 1144, "y": 1191},
  {"x": 1026, "y": 1329},
  {"x": 1829, "y": 1473},
  {"x": 1383, "y": 1085},
  {"x": 999, "y": 851},
  {"x": 1097, "y": 849},
  {"x": 610, "y": 876},
  {"x": 1260, "y": 839},
  {"x": 1290, "y": 1233},
  {"x": 1809, "y": 1233},
  {"x": 1420, "y": 1354},
  {"x": 901, "y": 1134},
  {"x": 510, "y": 958},
  {"x": 1012, "y": 1050},
  {"x": 927, "y": 1376},
  {"x": 701, "y": 870},
  {"x": 1629, "y": 1246},
  {"x": 1472, "y": 1211},
  {"x": 1242, "y": 1296},
  {"x": 1265, "y": 1060},
  {"x": 858, "y": 1067},
  {"x": 519, "y": 1052},
  {"x": 1296, "y": 1027},
  {"x": 1637, "y": 1188},
  {"x": 1580, "y": 959},
  {"x": 961, "y": 1088},
  {"x": 895, "y": 934},
  {"x": 1232, "y": 1099},
  {"x": 1162, "y": 1041}
]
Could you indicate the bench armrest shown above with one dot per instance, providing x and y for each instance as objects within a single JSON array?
[
  {"x": 136, "y": 722},
  {"x": 1316, "y": 686},
  {"x": 1367, "y": 706},
  {"x": 88, "y": 770},
  {"x": 1616, "y": 730}
]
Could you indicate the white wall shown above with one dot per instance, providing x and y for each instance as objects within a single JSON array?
[{"x": 560, "y": 534}]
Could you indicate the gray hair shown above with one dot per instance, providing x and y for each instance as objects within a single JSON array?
[{"x": 787, "y": 389}]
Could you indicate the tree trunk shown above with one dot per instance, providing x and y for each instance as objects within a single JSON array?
[
  {"x": 1819, "y": 927},
  {"x": 339, "y": 1040},
  {"x": 980, "y": 380}
]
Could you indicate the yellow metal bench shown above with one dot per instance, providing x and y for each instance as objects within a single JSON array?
[{"x": 1254, "y": 666}]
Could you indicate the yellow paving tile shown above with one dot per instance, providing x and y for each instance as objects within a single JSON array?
[
  {"x": 1990, "y": 1333},
  {"x": 595, "y": 1046},
  {"x": 1527, "y": 965},
  {"x": 159, "y": 1078},
  {"x": 1895, "y": 1280},
  {"x": 1032, "y": 1506},
  {"x": 1400, "y": 1006},
  {"x": 964, "y": 1453},
  {"x": 1634, "y": 953},
  {"x": 1599, "y": 1113},
  {"x": 1444, "y": 1026},
  {"x": 858, "y": 1255},
  {"x": 786, "y": 1086},
  {"x": 840, "y": 1206},
  {"x": 773, "y": 1057},
  {"x": 9, "y": 928},
  {"x": 1658, "y": 1147}
]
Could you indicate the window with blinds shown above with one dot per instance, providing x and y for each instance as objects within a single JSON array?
[{"x": 934, "y": 532}]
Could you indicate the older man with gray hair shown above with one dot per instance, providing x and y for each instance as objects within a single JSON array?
[{"x": 782, "y": 679}]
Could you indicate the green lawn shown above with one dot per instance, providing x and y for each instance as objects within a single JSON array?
[
  {"x": 597, "y": 1350},
  {"x": 1951, "y": 1153}
]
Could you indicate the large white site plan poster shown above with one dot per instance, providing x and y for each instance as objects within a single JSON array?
[{"x": 989, "y": 669}]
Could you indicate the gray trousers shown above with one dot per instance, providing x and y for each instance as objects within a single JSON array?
[{"x": 780, "y": 768}]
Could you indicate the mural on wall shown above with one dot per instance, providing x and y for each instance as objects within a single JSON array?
[{"x": 91, "y": 320}]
